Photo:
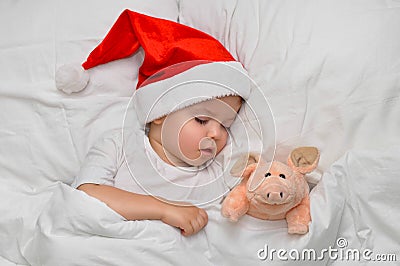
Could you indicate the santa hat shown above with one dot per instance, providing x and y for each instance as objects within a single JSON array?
[{"x": 182, "y": 66}]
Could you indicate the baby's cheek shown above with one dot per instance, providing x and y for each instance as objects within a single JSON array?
[
  {"x": 226, "y": 135},
  {"x": 189, "y": 137},
  {"x": 222, "y": 142}
]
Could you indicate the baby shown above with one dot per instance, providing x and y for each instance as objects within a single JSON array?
[
  {"x": 188, "y": 141},
  {"x": 189, "y": 92}
]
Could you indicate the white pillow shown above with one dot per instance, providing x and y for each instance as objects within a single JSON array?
[
  {"x": 326, "y": 68},
  {"x": 45, "y": 133}
]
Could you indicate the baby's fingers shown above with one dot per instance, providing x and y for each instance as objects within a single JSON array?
[
  {"x": 204, "y": 215},
  {"x": 187, "y": 229},
  {"x": 196, "y": 223},
  {"x": 201, "y": 220}
]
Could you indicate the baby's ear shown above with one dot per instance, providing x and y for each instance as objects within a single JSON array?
[
  {"x": 304, "y": 159},
  {"x": 245, "y": 165},
  {"x": 159, "y": 121}
]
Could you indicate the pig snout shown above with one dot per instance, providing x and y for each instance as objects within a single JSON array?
[{"x": 274, "y": 194}]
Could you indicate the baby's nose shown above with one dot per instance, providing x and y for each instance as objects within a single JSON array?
[{"x": 215, "y": 130}]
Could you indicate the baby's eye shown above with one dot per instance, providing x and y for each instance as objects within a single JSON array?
[{"x": 201, "y": 121}]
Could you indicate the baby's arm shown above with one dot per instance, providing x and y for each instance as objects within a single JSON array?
[{"x": 132, "y": 206}]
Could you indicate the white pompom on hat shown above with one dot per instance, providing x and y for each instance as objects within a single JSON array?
[
  {"x": 71, "y": 78},
  {"x": 182, "y": 66}
]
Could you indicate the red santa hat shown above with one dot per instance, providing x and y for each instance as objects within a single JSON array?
[{"x": 182, "y": 66}]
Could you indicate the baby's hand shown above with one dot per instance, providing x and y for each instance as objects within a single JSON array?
[{"x": 190, "y": 219}]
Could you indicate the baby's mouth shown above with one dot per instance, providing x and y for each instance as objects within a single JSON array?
[{"x": 207, "y": 152}]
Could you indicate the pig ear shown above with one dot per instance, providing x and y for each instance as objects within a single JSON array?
[
  {"x": 245, "y": 165},
  {"x": 304, "y": 159}
]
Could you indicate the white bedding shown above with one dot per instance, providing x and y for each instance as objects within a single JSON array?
[
  {"x": 67, "y": 227},
  {"x": 330, "y": 71}
]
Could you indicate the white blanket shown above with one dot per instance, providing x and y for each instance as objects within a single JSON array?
[
  {"x": 66, "y": 227},
  {"x": 329, "y": 69}
]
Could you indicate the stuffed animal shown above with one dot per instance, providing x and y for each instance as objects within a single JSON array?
[{"x": 273, "y": 191}]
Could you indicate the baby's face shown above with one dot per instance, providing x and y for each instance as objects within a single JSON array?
[{"x": 196, "y": 134}]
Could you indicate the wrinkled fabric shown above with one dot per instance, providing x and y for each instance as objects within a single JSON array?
[
  {"x": 68, "y": 227},
  {"x": 331, "y": 73}
]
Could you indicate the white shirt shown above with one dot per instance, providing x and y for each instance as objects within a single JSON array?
[{"x": 127, "y": 161}]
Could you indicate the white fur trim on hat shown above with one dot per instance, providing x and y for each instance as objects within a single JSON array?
[{"x": 200, "y": 83}]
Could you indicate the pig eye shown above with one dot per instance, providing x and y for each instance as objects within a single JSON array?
[
  {"x": 282, "y": 175},
  {"x": 267, "y": 174}
]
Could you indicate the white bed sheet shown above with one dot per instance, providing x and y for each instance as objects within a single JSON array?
[
  {"x": 330, "y": 70},
  {"x": 67, "y": 227}
]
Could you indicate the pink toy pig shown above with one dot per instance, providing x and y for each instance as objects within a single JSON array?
[{"x": 281, "y": 192}]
